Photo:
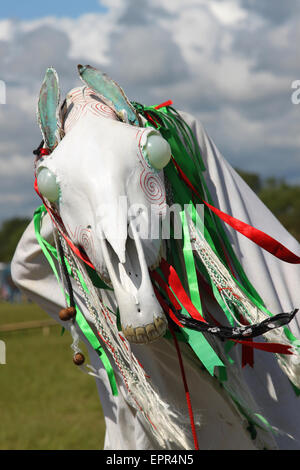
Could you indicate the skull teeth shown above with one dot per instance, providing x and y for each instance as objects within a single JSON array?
[{"x": 146, "y": 334}]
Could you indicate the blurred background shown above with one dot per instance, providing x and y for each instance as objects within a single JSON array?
[{"x": 231, "y": 63}]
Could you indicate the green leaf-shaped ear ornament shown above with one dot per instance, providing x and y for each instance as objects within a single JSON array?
[
  {"x": 110, "y": 93},
  {"x": 48, "y": 107},
  {"x": 48, "y": 120}
]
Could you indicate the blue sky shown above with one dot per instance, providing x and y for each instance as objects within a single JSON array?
[{"x": 31, "y": 9}]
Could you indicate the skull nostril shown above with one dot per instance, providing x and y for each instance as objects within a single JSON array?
[{"x": 139, "y": 309}]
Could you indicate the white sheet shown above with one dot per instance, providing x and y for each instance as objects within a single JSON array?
[{"x": 276, "y": 281}]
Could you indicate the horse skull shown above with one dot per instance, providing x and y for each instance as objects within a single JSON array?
[{"x": 108, "y": 195}]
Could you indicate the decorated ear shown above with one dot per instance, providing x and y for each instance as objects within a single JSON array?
[
  {"x": 48, "y": 108},
  {"x": 110, "y": 92}
]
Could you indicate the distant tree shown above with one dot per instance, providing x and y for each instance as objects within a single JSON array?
[
  {"x": 252, "y": 179},
  {"x": 10, "y": 234},
  {"x": 280, "y": 197},
  {"x": 284, "y": 201}
]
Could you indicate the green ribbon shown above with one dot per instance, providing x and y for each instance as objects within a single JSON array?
[
  {"x": 186, "y": 151},
  {"x": 190, "y": 264},
  {"x": 202, "y": 349},
  {"x": 50, "y": 252},
  {"x": 197, "y": 341}
]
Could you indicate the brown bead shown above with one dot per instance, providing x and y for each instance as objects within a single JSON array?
[
  {"x": 67, "y": 313},
  {"x": 78, "y": 359}
]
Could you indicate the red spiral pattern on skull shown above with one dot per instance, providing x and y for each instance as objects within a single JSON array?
[
  {"x": 75, "y": 95},
  {"x": 77, "y": 111},
  {"x": 85, "y": 240},
  {"x": 101, "y": 109},
  {"x": 84, "y": 101},
  {"x": 153, "y": 187}
]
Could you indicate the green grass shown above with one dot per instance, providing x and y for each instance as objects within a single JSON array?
[
  {"x": 45, "y": 401},
  {"x": 15, "y": 313}
]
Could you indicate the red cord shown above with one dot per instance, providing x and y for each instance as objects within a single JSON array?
[
  {"x": 257, "y": 236},
  {"x": 44, "y": 151},
  {"x": 186, "y": 389},
  {"x": 162, "y": 105}
]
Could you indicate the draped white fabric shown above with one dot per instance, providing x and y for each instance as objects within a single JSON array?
[{"x": 277, "y": 283}]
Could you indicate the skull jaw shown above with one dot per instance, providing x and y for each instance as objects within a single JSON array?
[
  {"x": 147, "y": 334},
  {"x": 141, "y": 317},
  {"x": 142, "y": 321}
]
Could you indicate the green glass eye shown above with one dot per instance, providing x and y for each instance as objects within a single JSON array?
[
  {"x": 47, "y": 185},
  {"x": 158, "y": 151}
]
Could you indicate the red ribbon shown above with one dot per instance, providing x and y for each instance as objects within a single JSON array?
[
  {"x": 175, "y": 284},
  {"x": 44, "y": 151},
  {"x": 165, "y": 287},
  {"x": 277, "y": 348},
  {"x": 257, "y": 236},
  {"x": 163, "y": 105},
  {"x": 166, "y": 307}
]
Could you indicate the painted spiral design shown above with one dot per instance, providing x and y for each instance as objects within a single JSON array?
[
  {"x": 75, "y": 95},
  {"x": 84, "y": 101},
  {"x": 77, "y": 111},
  {"x": 85, "y": 240},
  {"x": 153, "y": 187},
  {"x": 100, "y": 109}
]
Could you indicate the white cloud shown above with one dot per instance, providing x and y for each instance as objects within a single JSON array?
[
  {"x": 228, "y": 12},
  {"x": 6, "y": 30},
  {"x": 224, "y": 61},
  {"x": 16, "y": 165}
]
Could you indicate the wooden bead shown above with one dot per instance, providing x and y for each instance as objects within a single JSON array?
[
  {"x": 67, "y": 313},
  {"x": 78, "y": 359}
]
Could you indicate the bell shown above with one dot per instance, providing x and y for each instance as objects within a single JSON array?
[
  {"x": 78, "y": 359},
  {"x": 67, "y": 313}
]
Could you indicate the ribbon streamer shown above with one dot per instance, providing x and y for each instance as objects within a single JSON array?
[
  {"x": 259, "y": 237},
  {"x": 80, "y": 319}
]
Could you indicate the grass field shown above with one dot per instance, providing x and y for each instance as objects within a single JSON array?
[{"x": 45, "y": 401}]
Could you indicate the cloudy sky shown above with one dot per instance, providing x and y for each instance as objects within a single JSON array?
[{"x": 231, "y": 63}]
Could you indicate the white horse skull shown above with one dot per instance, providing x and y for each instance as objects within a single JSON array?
[{"x": 108, "y": 194}]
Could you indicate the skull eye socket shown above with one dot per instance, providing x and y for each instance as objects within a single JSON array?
[
  {"x": 157, "y": 151},
  {"x": 48, "y": 187}
]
